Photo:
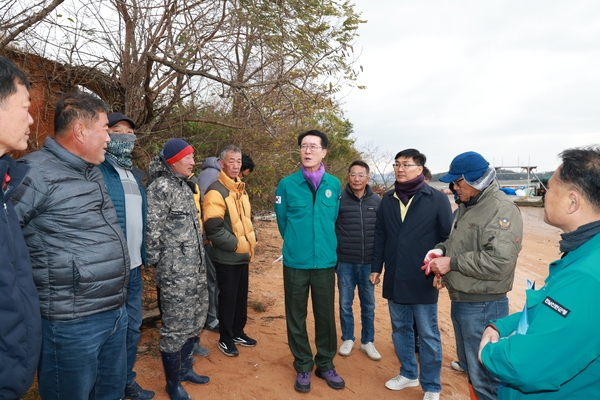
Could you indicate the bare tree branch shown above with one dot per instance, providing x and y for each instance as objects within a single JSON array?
[
  {"x": 213, "y": 122},
  {"x": 28, "y": 23}
]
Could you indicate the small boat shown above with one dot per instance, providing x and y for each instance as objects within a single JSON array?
[{"x": 528, "y": 201}]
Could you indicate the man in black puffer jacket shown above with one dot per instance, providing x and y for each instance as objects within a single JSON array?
[
  {"x": 20, "y": 326},
  {"x": 79, "y": 256},
  {"x": 355, "y": 231}
]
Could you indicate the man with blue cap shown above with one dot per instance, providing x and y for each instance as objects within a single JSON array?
[{"x": 477, "y": 262}]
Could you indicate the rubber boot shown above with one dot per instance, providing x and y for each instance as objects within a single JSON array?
[
  {"x": 172, "y": 365},
  {"x": 187, "y": 370}
]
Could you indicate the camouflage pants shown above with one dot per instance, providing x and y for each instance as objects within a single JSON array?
[{"x": 184, "y": 302}]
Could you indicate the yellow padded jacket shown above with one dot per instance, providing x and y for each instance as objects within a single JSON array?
[{"x": 227, "y": 221}]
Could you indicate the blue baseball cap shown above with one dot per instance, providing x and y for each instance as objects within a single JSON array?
[{"x": 469, "y": 165}]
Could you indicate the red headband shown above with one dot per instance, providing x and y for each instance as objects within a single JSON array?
[{"x": 184, "y": 152}]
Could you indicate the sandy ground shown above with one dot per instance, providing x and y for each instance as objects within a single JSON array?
[{"x": 266, "y": 372}]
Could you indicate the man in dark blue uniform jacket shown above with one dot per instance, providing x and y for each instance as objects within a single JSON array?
[{"x": 20, "y": 326}]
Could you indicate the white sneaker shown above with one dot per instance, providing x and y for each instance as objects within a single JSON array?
[
  {"x": 456, "y": 366},
  {"x": 371, "y": 351},
  {"x": 346, "y": 347},
  {"x": 431, "y": 396},
  {"x": 400, "y": 382}
]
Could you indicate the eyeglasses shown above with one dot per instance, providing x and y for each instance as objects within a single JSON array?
[
  {"x": 312, "y": 147},
  {"x": 456, "y": 182},
  {"x": 404, "y": 165},
  {"x": 355, "y": 175}
]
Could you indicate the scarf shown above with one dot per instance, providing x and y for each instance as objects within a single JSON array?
[
  {"x": 119, "y": 149},
  {"x": 406, "y": 190},
  {"x": 314, "y": 177},
  {"x": 572, "y": 240},
  {"x": 472, "y": 200}
]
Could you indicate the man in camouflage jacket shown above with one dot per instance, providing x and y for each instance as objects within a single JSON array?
[{"x": 174, "y": 247}]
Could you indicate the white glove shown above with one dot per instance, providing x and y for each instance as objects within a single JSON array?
[{"x": 431, "y": 254}]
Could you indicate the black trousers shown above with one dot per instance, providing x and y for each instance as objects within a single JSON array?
[{"x": 232, "y": 281}]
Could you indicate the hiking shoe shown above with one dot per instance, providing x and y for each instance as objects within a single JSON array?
[
  {"x": 431, "y": 396},
  {"x": 135, "y": 392},
  {"x": 371, "y": 351},
  {"x": 244, "y": 340},
  {"x": 200, "y": 351},
  {"x": 346, "y": 347},
  {"x": 302, "y": 383},
  {"x": 228, "y": 348},
  {"x": 456, "y": 366},
  {"x": 333, "y": 380},
  {"x": 400, "y": 382}
]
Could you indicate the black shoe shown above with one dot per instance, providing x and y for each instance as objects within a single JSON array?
[
  {"x": 135, "y": 392},
  {"x": 244, "y": 340},
  {"x": 228, "y": 348}
]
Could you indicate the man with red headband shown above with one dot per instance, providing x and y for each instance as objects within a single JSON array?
[{"x": 174, "y": 247}]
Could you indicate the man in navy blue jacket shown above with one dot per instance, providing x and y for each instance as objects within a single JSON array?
[
  {"x": 411, "y": 217},
  {"x": 21, "y": 326},
  {"x": 129, "y": 198}
]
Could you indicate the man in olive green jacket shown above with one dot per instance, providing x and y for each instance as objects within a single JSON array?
[{"x": 479, "y": 260}]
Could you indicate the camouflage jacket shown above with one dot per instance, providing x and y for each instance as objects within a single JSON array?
[{"x": 174, "y": 231}]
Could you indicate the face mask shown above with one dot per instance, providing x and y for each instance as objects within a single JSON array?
[{"x": 120, "y": 147}]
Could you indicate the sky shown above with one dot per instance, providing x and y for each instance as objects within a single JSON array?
[{"x": 517, "y": 81}]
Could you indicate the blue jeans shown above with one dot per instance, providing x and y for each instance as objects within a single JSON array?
[
  {"x": 470, "y": 320},
  {"x": 84, "y": 358},
  {"x": 134, "y": 319},
  {"x": 430, "y": 348},
  {"x": 349, "y": 277}
]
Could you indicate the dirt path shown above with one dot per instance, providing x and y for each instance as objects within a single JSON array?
[{"x": 266, "y": 372}]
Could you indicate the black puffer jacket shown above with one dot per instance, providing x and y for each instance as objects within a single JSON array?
[
  {"x": 78, "y": 250},
  {"x": 355, "y": 226},
  {"x": 20, "y": 323}
]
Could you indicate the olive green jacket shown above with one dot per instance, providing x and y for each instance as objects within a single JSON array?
[{"x": 483, "y": 245}]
